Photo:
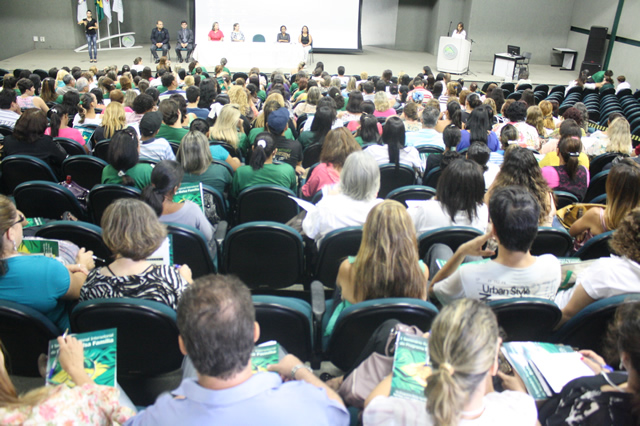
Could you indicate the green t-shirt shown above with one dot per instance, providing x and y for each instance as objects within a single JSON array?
[
  {"x": 141, "y": 174},
  {"x": 257, "y": 130},
  {"x": 270, "y": 174},
  {"x": 607, "y": 86},
  {"x": 216, "y": 176},
  {"x": 225, "y": 69},
  {"x": 306, "y": 138},
  {"x": 598, "y": 77},
  {"x": 202, "y": 68},
  {"x": 161, "y": 89},
  {"x": 172, "y": 134},
  {"x": 297, "y": 94},
  {"x": 262, "y": 95}
]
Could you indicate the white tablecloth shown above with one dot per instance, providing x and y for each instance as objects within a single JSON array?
[{"x": 241, "y": 56}]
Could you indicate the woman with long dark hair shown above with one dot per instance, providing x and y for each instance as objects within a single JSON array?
[
  {"x": 368, "y": 131},
  {"x": 569, "y": 176},
  {"x": 123, "y": 156},
  {"x": 478, "y": 129},
  {"x": 394, "y": 150},
  {"x": 322, "y": 124}
]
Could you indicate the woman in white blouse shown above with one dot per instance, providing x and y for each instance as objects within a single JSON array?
[{"x": 460, "y": 32}]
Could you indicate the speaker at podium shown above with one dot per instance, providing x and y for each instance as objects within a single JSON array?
[{"x": 453, "y": 55}]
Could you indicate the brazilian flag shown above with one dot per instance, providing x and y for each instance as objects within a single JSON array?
[{"x": 99, "y": 10}]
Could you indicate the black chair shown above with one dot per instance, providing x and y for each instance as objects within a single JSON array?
[
  {"x": 588, "y": 328},
  {"x": 311, "y": 155},
  {"x": 552, "y": 241},
  {"x": 431, "y": 179},
  {"x": 40, "y": 198},
  {"x": 300, "y": 122},
  {"x": 25, "y": 334},
  {"x": 596, "y": 247},
  {"x": 101, "y": 149},
  {"x": 266, "y": 202},
  {"x": 82, "y": 234},
  {"x": 17, "y": 169},
  {"x": 511, "y": 87},
  {"x": 392, "y": 178},
  {"x": 565, "y": 198},
  {"x": 597, "y": 186},
  {"x": 288, "y": 321},
  {"x": 264, "y": 254},
  {"x": 452, "y": 236},
  {"x": 335, "y": 247},
  {"x": 5, "y": 130},
  {"x": 526, "y": 318},
  {"x": 147, "y": 339},
  {"x": 356, "y": 324},
  {"x": 598, "y": 163},
  {"x": 85, "y": 170},
  {"x": 72, "y": 147},
  {"x": 191, "y": 248},
  {"x": 102, "y": 195},
  {"x": 411, "y": 192}
]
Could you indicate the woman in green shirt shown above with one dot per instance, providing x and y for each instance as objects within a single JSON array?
[{"x": 123, "y": 167}]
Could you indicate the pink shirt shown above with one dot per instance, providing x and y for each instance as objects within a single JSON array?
[
  {"x": 323, "y": 174},
  {"x": 387, "y": 113},
  {"x": 215, "y": 36},
  {"x": 68, "y": 133}
]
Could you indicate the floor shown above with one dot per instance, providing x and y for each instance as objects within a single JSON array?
[{"x": 373, "y": 60}]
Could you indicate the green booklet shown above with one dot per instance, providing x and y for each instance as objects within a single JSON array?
[
  {"x": 50, "y": 248},
  {"x": 33, "y": 221},
  {"x": 265, "y": 354},
  {"x": 99, "y": 358},
  {"x": 191, "y": 192},
  {"x": 520, "y": 356},
  {"x": 411, "y": 358}
]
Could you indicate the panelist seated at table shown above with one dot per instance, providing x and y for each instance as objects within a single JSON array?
[
  {"x": 159, "y": 40},
  {"x": 283, "y": 37},
  {"x": 236, "y": 34},
  {"x": 215, "y": 34}
]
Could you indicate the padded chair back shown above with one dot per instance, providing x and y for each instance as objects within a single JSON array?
[
  {"x": 104, "y": 194},
  {"x": 300, "y": 122},
  {"x": 564, "y": 198},
  {"x": 286, "y": 320},
  {"x": 588, "y": 328},
  {"x": 101, "y": 149},
  {"x": 335, "y": 247},
  {"x": 432, "y": 177},
  {"x": 147, "y": 333},
  {"x": 552, "y": 241},
  {"x": 41, "y": 73},
  {"x": 266, "y": 202},
  {"x": 311, "y": 155},
  {"x": 596, "y": 247},
  {"x": 264, "y": 254},
  {"x": 82, "y": 234},
  {"x": 597, "y": 186},
  {"x": 5, "y": 130},
  {"x": 411, "y": 192},
  {"x": 356, "y": 324},
  {"x": 25, "y": 333},
  {"x": 258, "y": 38},
  {"x": 452, "y": 236},
  {"x": 390, "y": 178},
  {"x": 85, "y": 170},
  {"x": 17, "y": 169},
  {"x": 72, "y": 147},
  {"x": 191, "y": 248},
  {"x": 526, "y": 318},
  {"x": 47, "y": 199},
  {"x": 598, "y": 163}
]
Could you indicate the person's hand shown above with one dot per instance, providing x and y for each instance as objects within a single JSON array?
[
  {"x": 284, "y": 366},
  {"x": 513, "y": 383},
  {"x": 300, "y": 171},
  {"x": 85, "y": 258},
  {"x": 78, "y": 268},
  {"x": 474, "y": 247},
  {"x": 185, "y": 271},
  {"x": 71, "y": 355},
  {"x": 593, "y": 360}
]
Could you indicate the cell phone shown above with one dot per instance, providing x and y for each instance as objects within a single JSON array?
[{"x": 504, "y": 365}]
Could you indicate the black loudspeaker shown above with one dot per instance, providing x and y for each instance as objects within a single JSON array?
[
  {"x": 596, "y": 45},
  {"x": 590, "y": 67}
]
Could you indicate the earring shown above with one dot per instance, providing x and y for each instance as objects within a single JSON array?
[{"x": 15, "y": 248}]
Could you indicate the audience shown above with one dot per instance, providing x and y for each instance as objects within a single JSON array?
[
  {"x": 195, "y": 157},
  {"x": 9, "y": 109},
  {"x": 428, "y": 135},
  {"x": 123, "y": 156}
]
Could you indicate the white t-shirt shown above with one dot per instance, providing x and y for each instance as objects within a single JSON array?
[
  {"x": 500, "y": 409},
  {"x": 493, "y": 281},
  {"x": 97, "y": 120},
  {"x": 408, "y": 155},
  {"x": 336, "y": 212},
  {"x": 462, "y": 34},
  {"x": 606, "y": 277},
  {"x": 431, "y": 215}
]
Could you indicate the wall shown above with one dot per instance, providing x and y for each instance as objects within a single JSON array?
[
  {"x": 378, "y": 22},
  {"x": 416, "y": 19}
]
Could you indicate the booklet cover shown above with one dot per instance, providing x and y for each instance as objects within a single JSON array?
[
  {"x": 191, "y": 192},
  {"x": 164, "y": 254},
  {"x": 34, "y": 221},
  {"x": 410, "y": 361},
  {"x": 99, "y": 358},
  {"x": 265, "y": 354},
  {"x": 50, "y": 248}
]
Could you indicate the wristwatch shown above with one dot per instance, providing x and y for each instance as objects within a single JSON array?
[{"x": 295, "y": 369}]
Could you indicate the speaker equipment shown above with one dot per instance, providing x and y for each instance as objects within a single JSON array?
[
  {"x": 590, "y": 67},
  {"x": 596, "y": 45}
]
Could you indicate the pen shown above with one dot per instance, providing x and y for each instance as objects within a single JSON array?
[
  {"x": 99, "y": 259},
  {"x": 55, "y": 361}
]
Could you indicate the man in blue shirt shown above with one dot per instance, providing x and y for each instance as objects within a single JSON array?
[
  {"x": 216, "y": 319},
  {"x": 428, "y": 135}
]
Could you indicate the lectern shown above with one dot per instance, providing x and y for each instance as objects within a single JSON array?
[{"x": 453, "y": 55}]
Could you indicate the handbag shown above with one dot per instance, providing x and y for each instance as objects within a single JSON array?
[
  {"x": 81, "y": 193},
  {"x": 569, "y": 214},
  {"x": 359, "y": 384}
]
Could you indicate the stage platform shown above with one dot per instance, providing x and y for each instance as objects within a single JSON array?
[{"x": 372, "y": 60}]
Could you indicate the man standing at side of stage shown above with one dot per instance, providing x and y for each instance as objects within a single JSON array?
[
  {"x": 159, "y": 40},
  {"x": 185, "y": 41}
]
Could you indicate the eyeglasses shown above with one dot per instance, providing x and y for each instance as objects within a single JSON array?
[{"x": 20, "y": 219}]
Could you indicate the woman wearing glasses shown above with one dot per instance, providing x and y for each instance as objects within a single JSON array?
[{"x": 39, "y": 282}]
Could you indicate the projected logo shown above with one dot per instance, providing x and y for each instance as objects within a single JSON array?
[{"x": 450, "y": 51}]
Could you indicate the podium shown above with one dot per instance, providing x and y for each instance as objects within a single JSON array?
[{"x": 453, "y": 55}]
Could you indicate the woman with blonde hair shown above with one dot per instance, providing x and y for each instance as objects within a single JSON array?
[
  {"x": 388, "y": 241},
  {"x": 619, "y": 134},
  {"x": 239, "y": 95},
  {"x": 196, "y": 160},
  {"x": 228, "y": 127},
  {"x": 383, "y": 107},
  {"x": 59, "y": 76},
  {"x": 129, "y": 96},
  {"x": 464, "y": 344},
  {"x": 548, "y": 121},
  {"x": 536, "y": 119},
  {"x": 272, "y": 103},
  {"x": 310, "y": 104},
  {"x": 113, "y": 119}
]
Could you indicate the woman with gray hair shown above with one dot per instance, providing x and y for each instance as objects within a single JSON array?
[
  {"x": 310, "y": 105},
  {"x": 350, "y": 204}
]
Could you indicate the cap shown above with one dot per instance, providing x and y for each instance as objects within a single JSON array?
[
  {"x": 150, "y": 123},
  {"x": 278, "y": 120}
]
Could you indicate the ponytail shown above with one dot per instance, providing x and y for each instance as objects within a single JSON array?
[
  {"x": 263, "y": 148},
  {"x": 445, "y": 398},
  {"x": 165, "y": 178},
  {"x": 55, "y": 117},
  {"x": 570, "y": 147},
  {"x": 83, "y": 106},
  {"x": 123, "y": 153}
]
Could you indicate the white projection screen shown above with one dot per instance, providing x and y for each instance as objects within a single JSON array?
[{"x": 333, "y": 24}]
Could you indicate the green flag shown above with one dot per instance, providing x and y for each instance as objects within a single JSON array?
[{"x": 99, "y": 10}]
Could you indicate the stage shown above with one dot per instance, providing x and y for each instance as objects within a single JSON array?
[{"x": 372, "y": 60}]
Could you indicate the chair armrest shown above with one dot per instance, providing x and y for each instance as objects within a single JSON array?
[
  {"x": 221, "y": 231},
  {"x": 317, "y": 309}
]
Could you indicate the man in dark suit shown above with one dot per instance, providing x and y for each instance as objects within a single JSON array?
[
  {"x": 185, "y": 41},
  {"x": 159, "y": 40}
]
